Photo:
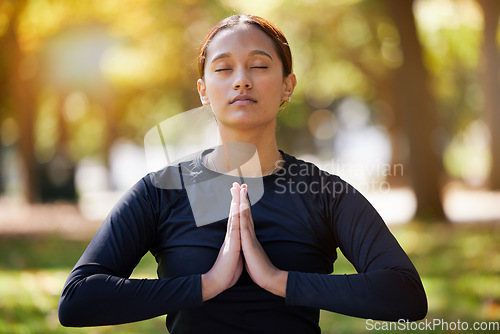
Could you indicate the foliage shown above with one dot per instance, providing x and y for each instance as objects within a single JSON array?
[
  {"x": 459, "y": 265},
  {"x": 133, "y": 62}
]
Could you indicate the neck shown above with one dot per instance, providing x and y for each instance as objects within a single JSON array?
[{"x": 239, "y": 146}]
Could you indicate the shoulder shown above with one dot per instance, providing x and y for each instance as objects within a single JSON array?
[
  {"x": 165, "y": 178},
  {"x": 163, "y": 185},
  {"x": 172, "y": 176}
]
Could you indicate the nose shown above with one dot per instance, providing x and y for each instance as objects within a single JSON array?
[{"x": 242, "y": 80}]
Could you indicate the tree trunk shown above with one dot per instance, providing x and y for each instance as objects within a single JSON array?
[
  {"x": 394, "y": 123},
  {"x": 110, "y": 118},
  {"x": 491, "y": 84},
  {"x": 420, "y": 115},
  {"x": 21, "y": 92}
]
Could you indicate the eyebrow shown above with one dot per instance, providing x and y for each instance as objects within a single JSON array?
[
  {"x": 260, "y": 52},
  {"x": 252, "y": 53}
]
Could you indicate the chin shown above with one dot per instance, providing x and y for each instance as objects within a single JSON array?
[{"x": 248, "y": 122}]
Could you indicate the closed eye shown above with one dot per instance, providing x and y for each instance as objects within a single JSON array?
[
  {"x": 222, "y": 69},
  {"x": 258, "y": 67}
]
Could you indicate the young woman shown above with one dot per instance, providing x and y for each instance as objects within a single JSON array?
[{"x": 267, "y": 268}]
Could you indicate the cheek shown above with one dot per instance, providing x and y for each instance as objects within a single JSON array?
[
  {"x": 273, "y": 87},
  {"x": 273, "y": 81},
  {"x": 214, "y": 90}
]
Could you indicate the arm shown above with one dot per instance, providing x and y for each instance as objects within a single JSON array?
[
  {"x": 387, "y": 286},
  {"x": 98, "y": 290}
]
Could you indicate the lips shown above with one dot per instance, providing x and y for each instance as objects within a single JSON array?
[{"x": 243, "y": 99}]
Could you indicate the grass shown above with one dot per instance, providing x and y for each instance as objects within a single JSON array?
[{"x": 459, "y": 265}]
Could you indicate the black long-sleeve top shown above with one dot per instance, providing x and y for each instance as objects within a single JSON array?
[{"x": 301, "y": 216}]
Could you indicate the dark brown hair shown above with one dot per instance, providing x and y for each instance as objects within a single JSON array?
[{"x": 267, "y": 27}]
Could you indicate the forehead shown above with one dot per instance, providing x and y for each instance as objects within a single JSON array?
[{"x": 240, "y": 40}]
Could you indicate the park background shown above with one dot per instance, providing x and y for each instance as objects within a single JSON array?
[{"x": 399, "y": 97}]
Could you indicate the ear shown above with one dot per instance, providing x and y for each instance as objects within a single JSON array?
[
  {"x": 289, "y": 84},
  {"x": 202, "y": 91}
]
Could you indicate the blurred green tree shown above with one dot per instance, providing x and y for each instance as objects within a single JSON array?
[
  {"x": 20, "y": 83},
  {"x": 491, "y": 83},
  {"x": 419, "y": 111},
  {"x": 83, "y": 73}
]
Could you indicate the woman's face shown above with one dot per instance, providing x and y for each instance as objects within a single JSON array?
[{"x": 244, "y": 81}]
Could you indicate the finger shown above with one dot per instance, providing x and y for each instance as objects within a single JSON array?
[
  {"x": 233, "y": 209},
  {"x": 232, "y": 242},
  {"x": 235, "y": 191},
  {"x": 235, "y": 220},
  {"x": 246, "y": 223},
  {"x": 242, "y": 198},
  {"x": 245, "y": 204},
  {"x": 243, "y": 194},
  {"x": 234, "y": 195}
]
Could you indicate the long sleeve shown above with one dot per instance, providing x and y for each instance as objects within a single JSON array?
[
  {"x": 387, "y": 285},
  {"x": 98, "y": 290}
]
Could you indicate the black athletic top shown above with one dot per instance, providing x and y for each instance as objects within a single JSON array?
[{"x": 304, "y": 214}]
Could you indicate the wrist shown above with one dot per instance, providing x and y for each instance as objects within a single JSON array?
[
  {"x": 208, "y": 287},
  {"x": 278, "y": 283}
]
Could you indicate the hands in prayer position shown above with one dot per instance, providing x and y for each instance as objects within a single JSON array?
[{"x": 241, "y": 242}]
